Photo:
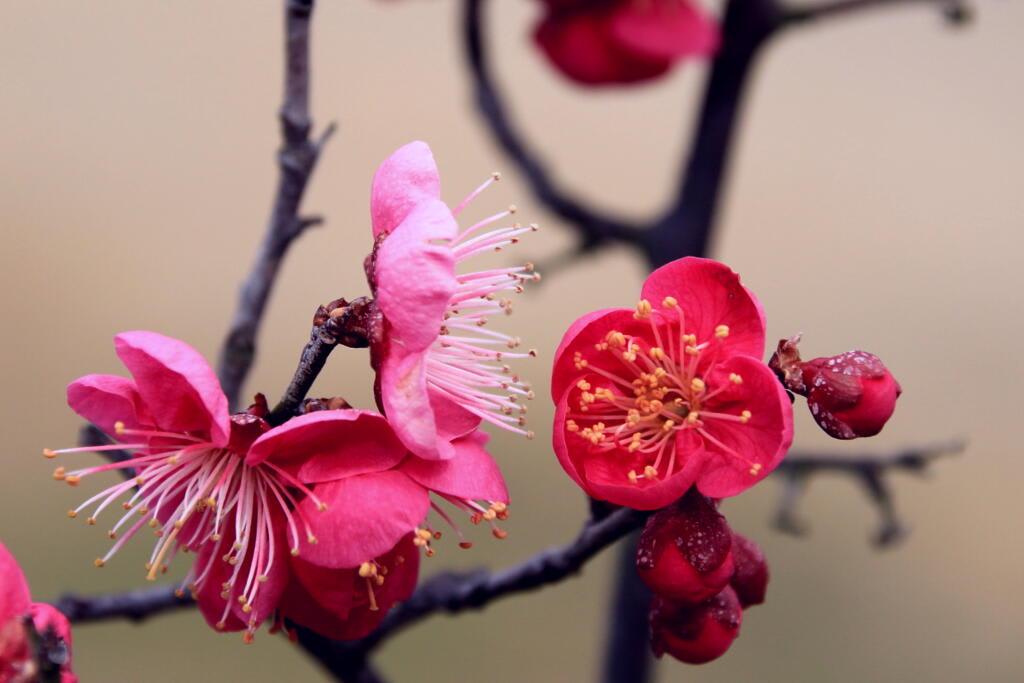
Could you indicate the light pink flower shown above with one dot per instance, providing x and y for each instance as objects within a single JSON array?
[
  {"x": 440, "y": 370},
  {"x": 327, "y": 491},
  {"x": 19, "y": 663}
]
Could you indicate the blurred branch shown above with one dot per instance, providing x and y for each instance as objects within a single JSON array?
[
  {"x": 296, "y": 160},
  {"x": 134, "y": 605},
  {"x": 871, "y": 469},
  {"x": 956, "y": 11}
]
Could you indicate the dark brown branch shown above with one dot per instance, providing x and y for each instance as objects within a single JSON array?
[
  {"x": 134, "y": 605},
  {"x": 956, "y": 12},
  {"x": 871, "y": 469},
  {"x": 296, "y": 160}
]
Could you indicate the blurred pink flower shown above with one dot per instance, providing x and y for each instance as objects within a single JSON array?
[
  {"x": 653, "y": 400},
  {"x": 600, "y": 42},
  {"x": 19, "y": 663},
  {"x": 440, "y": 372}
]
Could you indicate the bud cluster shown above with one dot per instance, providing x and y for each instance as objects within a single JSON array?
[{"x": 703, "y": 576}]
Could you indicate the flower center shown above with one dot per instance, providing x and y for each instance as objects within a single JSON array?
[{"x": 654, "y": 394}]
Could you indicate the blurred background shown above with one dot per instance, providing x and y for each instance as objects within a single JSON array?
[{"x": 875, "y": 202}]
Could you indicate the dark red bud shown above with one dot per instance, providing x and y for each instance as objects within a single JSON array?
[
  {"x": 695, "y": 634},
  {"x": 684, "y": 552},
  {"x": 850, "y": 395},
  {"x": 751, "y": 578},
  {"x": 245, "y": 428}
]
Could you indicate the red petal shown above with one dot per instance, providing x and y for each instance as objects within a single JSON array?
[
  {"x": 365, "y": 517},
  {"x": 330, "y": 444},
  {"x": 710, "y": 294},
  {"x": 663, "y": 29},
  {"x": 177, "y": 385},
  {"x": 581, "y": 337},
  {"x": 471, "y": 474},
  {"x": 581, "y": 46},
  {"x": 406, "y": 178},
  {"x": 14, "y": 595},
  {"x": 763, "y": 440}
]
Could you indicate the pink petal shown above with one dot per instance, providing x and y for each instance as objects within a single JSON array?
[
  {"x": 14, "y": 595},
  {"x": 764, "y": 440},
  {"x": 107, "y": 399},
  {"x": 663, "y": 29},
  {"x": 452, "y": 420},
  {"x": 581, "y": 337},
  {"x": 406, "y": 178},
  {"x": 365, "y": 517},
  {"x": 710, "y": 294},
  {"x": 404, "y": 397},
  {"x": 416, "y": 274},
  {"x": 581, "y": 45},
  {"x": 177, "y": 385},
  {"x": 471, "y": 474},
  {"x": 329, "y": 444}
]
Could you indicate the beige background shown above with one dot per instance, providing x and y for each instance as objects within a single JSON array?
[{"x": 875, "y": 203}]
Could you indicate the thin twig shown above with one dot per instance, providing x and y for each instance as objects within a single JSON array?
[
  {"x": 871, "y": 469},
  {"x": 135, "y": 605},
  {"x": 296, "y": 161}
]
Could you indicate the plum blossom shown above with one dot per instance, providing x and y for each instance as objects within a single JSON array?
[
  {"x": 21, "y": 660},
  {"x": 253, "y": 503},
  {"x": 441, "y": 369},
  {"x": 653, "y": 400},
  {"x": 600, "y": 42}
]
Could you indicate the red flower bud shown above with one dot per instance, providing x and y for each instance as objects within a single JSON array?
[
  {"x": 850, "y": 395},
  {"x": 684, "y": 553},
  {"x": 695, "y": 633},
  {"x": 751, "y": 578}
]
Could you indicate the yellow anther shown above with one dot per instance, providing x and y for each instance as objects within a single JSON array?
[
  {"x": 604, "y": 394},
  {"x": 119, "y": 427},
  {"x": 490, "y": 515},
  {"x": 58, "y": 474},
  {"x": 745, "y": 416},
  {"x": 615, "y": 339},
  {"x": 669, "y": 302},
  {"x": 91, "y": 521},
  {"x": 667, "y": 425},
  {"x": 692, "y": 417},
  {"x": 73, "y": 479},
  {"x": 722, "y": 331},
  {"x": 656, "y": 353},
  {"x": 583, "y": 385},
  {"x": 295, "y": 552},
  {"x": 650, "y": 472},
  {"x": 72, "y": 514},
  {"x": 49, "y": 453},
  {"x": 755, "y": 468},
  {"x": 632, "y": 476},
  {"x": 321, "y": 506},
  {"x": 99, "y": 562},
  {"x": 692, "y": 350},
  {"x": 262, "y": 578},
  {"x": 311, "y": 539},
  {"x": 697, "y": 385},
  {"x": 579, "y": 361},
  {"x": 572, "y": 426},
  {"x": 735, "y": 379},
  {"x": 153, "y": 524},
  {"x": 643, "y": 310},
  {"x": 424, "y": 534}
]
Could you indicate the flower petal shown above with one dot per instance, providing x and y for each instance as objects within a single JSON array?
[
  {"x": 365, "y": 517},
  {"x": 14, "y": 595},
  {"x": 663, "y": 29},
  {"x": 763, "y": 440},
  {"x": 404, "y": 397},
  {"x": 415, "y": 274},
  {"x": 580, "y": 44},
  {"x": 177, "y": 385},
  {"x": 452, "y": 420},
  {"x": 710, "y": 294},
  {"x": 471, "y": 474},
  {"x": 107, "y": 399},
  {"x": 406, "y": 178},
  {"x": 329, "y": 444},
  {"x": 581, "y": 337}
]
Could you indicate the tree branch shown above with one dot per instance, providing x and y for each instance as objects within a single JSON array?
[
  {"x": 871, "y": 469},
  {"x": 296, "y": 160}
]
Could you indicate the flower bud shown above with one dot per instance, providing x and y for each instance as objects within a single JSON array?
[
  {"x": 684, "y": 553},
  {"x": 695, "y": 634},
  {"x": 849, "y": 395},
  {"x": 751, "y": 578}
]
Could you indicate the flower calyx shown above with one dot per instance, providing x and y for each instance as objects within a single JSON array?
[{"x": 348, "y": 323}]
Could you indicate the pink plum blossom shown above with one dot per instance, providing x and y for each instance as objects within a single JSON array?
[
  {"x": 653, "y": 400},
  {"x": 441, "y": 369},
  {"x": 260, "y": 508},
  {"x": 20, "y": 660},
  {"x": 601, "y": 42}
]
